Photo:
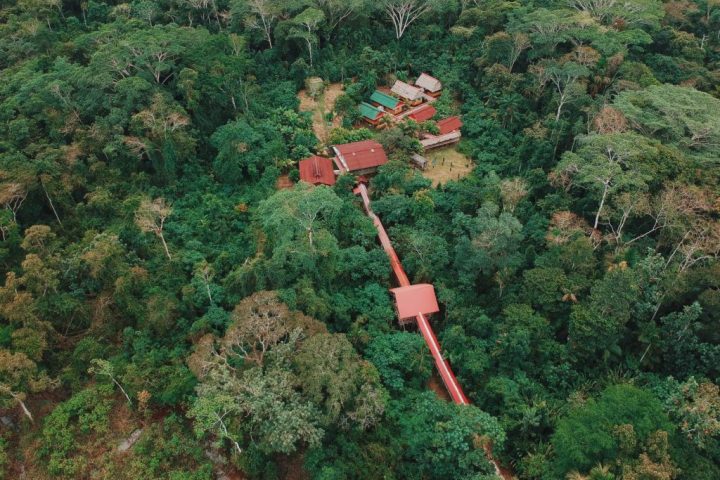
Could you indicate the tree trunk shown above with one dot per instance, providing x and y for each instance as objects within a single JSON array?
[
  {"x": 167, "y": 251},
  {"x": 266, "y": 28},
  {"x": 217, "y": 16},
  {"x": 602, "y": 203},
  {"x": 207, "y": 289},
  {"x": 310, "y": 52},
  {"x": 52, "y": 206},
  {"x": 24, "y": 408},
  {"x": 560, "y": 106},
  {"x": 122, "y": 390}
]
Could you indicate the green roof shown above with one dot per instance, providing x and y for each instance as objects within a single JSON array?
[
  {"x": 368, "y": 111},
  {"x": 384, "y": 99}
]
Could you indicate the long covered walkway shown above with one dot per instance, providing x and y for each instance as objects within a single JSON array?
[{"x": 417, "y": 302}]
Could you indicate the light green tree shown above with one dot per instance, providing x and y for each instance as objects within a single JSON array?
[
  {"x": 306, "y": 25},
  {"x": 605, "y": 165},
  {"x": 404, "y": 13},
  {"x": 150, "y": 217},
  {"x": 679, "y": 116}
]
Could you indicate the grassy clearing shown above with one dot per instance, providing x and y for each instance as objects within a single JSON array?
[
  {"x": 321, "y": 106},
  {"x": 445, "y": 164}
]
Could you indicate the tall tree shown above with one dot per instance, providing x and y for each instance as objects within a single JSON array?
[
  {"x": 261, "y": 15},
  {"x": 404, "y": 13},
  {"x": 442, "y": 440},
  {"x": 308, "y": 22},
  {"x": 564, "y": 77},
  {"x": 679, "y": 116},
  {"x": 606, "y": 165},
  {"x": 338, "y": 11},
  {"x": 150, "y": 217},
  {"x": 615, "y": 430},
  {"x": 19, "y": 377}
]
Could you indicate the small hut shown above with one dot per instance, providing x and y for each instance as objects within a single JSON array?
[
  {"x": 419, "y": 161},
  {"x": 412, "y": 300},
  {"x": 437, "y": 141},
  {"x": 314, "y": 86},
  {"x": 449, "y": 124}
]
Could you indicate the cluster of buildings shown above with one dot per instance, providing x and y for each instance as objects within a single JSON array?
[
  {"x": 359, "y": 158},
  {"x": 403, "y": 101}
]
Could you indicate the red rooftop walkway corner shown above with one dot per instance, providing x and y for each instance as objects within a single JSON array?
[{"x": 413, "y": 299}]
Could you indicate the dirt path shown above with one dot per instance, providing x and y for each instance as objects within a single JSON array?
[{"x": 319, "y": 107}]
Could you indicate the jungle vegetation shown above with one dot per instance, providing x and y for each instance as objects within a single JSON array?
[{"x": 157, "y": 286}]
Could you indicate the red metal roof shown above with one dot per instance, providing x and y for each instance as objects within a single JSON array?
[
  {"x": 414, "y": 300},
  {"x": 450, "y": 124},
  {"x": 360, "y": 155},
  {"x": 426, "y": 112},
  {"x": 317, "y": 170}
]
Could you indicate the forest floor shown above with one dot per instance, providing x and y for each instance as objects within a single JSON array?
[
  {"x": 436, "y": 385},
  {"x": 446, "y": 164},
  {"x": 283, "y": 182},
  {"x": 319, "y": 107},
  {"x": 291, "y": 468}
]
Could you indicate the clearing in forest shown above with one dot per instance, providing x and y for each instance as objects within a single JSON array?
[
  {"x": 283, "y": 182},
  {"x": 319, "y": 107},
  {"x": 445, "y": 164}
]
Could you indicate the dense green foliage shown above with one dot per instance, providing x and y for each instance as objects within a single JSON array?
[{"x": 156, "y": 280}]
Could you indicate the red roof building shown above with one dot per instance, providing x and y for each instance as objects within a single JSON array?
[
  {"x": 359, "y": 157},
  {"x": 424, "y": 113},
  {"x": 413, "y": 300},
  {"x": 450, "y": 124},
  {"x": 317, "y": 170}
]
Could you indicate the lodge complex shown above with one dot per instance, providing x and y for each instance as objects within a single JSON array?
[{"x": 400, "y": 103}]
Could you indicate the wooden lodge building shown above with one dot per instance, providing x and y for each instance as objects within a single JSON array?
[
  {"x": 370, "y": 113},
  {"x": 431, "y": 85},
  {"x": 387, "y": 102},
  {"x": 449, "y": 133},
  {"x": 423, "y": 114},
  {"x": 449, "y": 124},
  {"x": 360, "y": 158},
  {"x": 408, "y": 93},
  {"x": 317, "y": 170}
]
